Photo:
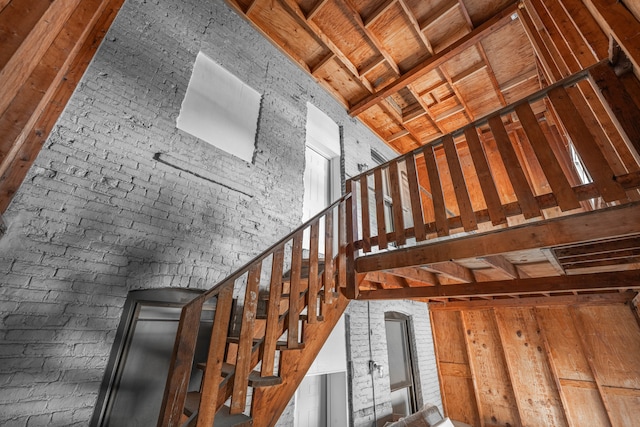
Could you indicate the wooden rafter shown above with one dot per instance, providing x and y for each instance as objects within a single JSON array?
[
  {"x": 416, "y": 26},
  {"x": 312, "y": 28},
  {"x": 374, "y": 39},
  {"x": 424, "y": 67}
]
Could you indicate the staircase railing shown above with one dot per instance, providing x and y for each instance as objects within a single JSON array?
[{"x": 240, "y": 344}]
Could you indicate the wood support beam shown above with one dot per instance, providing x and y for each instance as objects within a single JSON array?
[
  {"x": 60, "y": 45},
  {"x": 502, "y": 264},
  {"x": 497, "y": 21},
  {"x": 312, "y": 28},
  {"x": 616, "y": 19},
  {"x": 452, "y": 270},
  {"x": 616, "y": 221},
  {"x": 417, "y": 274},
  {"x": 575, "y": 283}
]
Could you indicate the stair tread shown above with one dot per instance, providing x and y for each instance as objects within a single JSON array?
[
  {"x": 222, "y": 419},
  {"x": 255, "y": 378},
  {"x": 284, "y": 345}
]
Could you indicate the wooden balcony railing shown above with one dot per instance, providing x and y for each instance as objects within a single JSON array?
[
  {"x": 538, "y": 158},
  {"x": 555, "y": 153}
]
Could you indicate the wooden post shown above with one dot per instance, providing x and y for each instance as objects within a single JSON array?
[
  {"x": 175, "y": 391},
  {"x": 619, "y": 101},
  {"x": 212, "y": 374}
]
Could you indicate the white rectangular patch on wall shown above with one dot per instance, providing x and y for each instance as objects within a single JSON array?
[{"x": 220, "y": 109}]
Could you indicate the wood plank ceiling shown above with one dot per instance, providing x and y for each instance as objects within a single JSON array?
[{"x": 411, "y": 70}]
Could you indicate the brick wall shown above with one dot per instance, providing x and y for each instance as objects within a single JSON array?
[
  {"x": 367, "y": 341},
  {"x": 104, "y": 210}
]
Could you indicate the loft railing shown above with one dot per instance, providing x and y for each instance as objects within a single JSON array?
[
  {"x": 477, "y": 177},
  {"x": 569, "y": 156}
]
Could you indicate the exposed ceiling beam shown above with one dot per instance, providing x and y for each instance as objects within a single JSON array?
[
  {"x": 453, "y": 271},
  {"x": 372, "y": 37},
  {"x": 497, "y": 21},
  {"x": 312, "y": 28},
  {"x": 387, "y": 280},
  {"x": 557, "y": 300},
  {"x": 616, "y": 221},
  {"x": 502, "y": 264},
  {"x": 416, "y": 273},
  {"x": 576, "y": 283}
]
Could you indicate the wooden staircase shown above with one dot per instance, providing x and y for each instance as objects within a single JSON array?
[
  {"x": 389, "y": 218},
  {"x": 266, "y": 343}
]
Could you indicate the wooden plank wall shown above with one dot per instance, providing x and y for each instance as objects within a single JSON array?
[
  {"x": 560, "y": 361},
  {"x": 45, "y": 47}
]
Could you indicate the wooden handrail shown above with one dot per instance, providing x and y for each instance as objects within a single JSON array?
[{"x": 242, "y": 270}]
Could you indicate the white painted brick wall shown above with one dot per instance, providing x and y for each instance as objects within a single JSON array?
[
  {"x": 98, "y": 216},
  {"x": 367, "y": 341}
]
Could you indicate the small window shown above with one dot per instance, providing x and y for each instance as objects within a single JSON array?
[
  {"x": 220, "y": 109},
  {"x": 404, "y": 394}
]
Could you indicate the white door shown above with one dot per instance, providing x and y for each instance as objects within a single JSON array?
[
  {"x": 322, "y": 169},
  {"x": 317, "y": 184}
]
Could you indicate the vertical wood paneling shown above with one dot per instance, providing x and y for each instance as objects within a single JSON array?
[
  {"x": 562, "y": 364},
  {"x": 533, "y": 384},
  {"x": 498, "y": 405},
  {"x": 611, "y": 335},
  {"x": 579, "y": 391},
  {"x": 458, "y": 392}
]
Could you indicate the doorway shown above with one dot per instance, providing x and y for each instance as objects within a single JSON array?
[
  {"x": 322, "y": 182},
  {"x": 133, "y": 385}
]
